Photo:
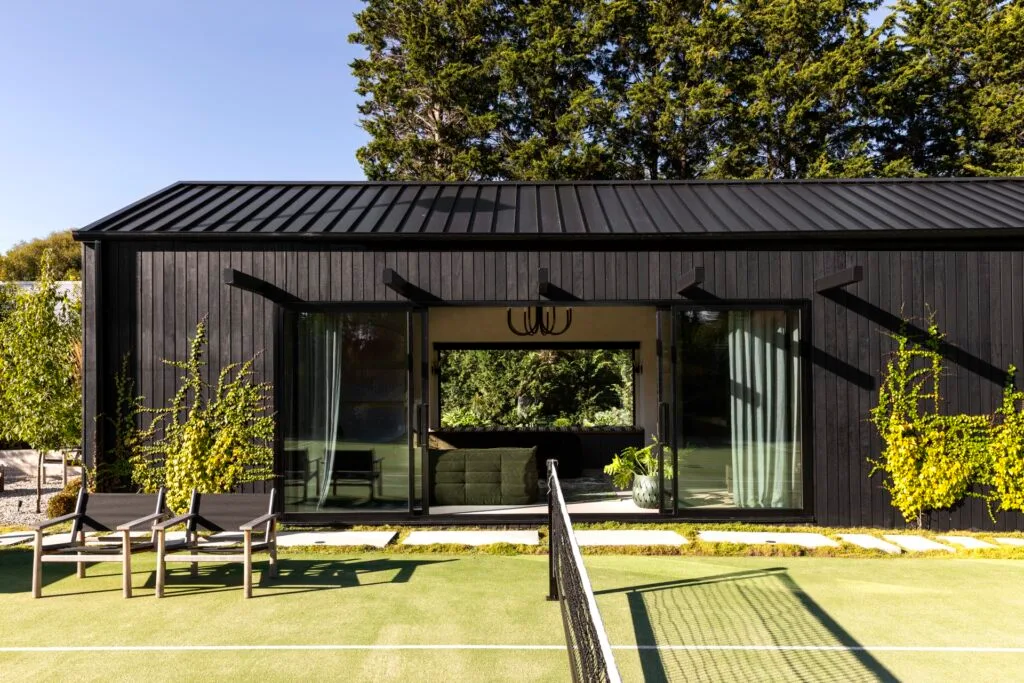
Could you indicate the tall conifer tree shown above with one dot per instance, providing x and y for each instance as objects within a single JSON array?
[{"x": 953, "y": 99}]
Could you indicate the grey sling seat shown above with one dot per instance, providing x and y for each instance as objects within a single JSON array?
[
  {"x": 221, "y": 512},
  {"x": 112, "y": 512}
]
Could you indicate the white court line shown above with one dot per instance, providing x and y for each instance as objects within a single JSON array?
[{"x": 235, "y": 648}]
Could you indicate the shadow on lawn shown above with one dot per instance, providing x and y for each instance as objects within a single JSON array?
[
  {"x": 294, "y": 576},
  {"x": 16, "y": 571},
  {"x": 762, "y": 608}
]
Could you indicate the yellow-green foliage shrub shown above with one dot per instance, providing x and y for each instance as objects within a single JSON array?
[
  {"x": 1005, "y": 471},
  {"x": 929, "y": 460},
  {"x": 214, "y": 437}
]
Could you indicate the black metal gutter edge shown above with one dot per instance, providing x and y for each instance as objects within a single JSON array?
[
  {"x": 620, "y": 181},
  {"x": 574, "y": 239}
]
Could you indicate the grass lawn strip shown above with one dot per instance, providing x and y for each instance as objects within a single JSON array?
[{"x": 382, "y": 616}]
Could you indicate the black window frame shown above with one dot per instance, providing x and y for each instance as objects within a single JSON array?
[{"x": 804, "y": 308}]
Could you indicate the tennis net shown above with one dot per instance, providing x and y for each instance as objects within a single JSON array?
[{"x": 590, "y": 655}]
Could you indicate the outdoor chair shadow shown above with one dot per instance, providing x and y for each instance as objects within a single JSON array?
[
  {"x": 713, "y": 614},
  {"x": 294, "y": 576},
  {"x": 16, "y": 574}
]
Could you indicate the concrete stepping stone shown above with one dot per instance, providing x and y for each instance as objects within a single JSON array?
[
  {"x": 1019, "y": 542},
  {"x": 472, "y": 537},
  {"x": 807, "y": 540},
  {"x": 968, "y": 542},
  {"x": 376, "y": 539},
  {"x": 917, "y": 544},
  {"x": 56, "y": 539},
  {"x": 871, "y": 542},
  {"x": 638, "y": 537},
  {"x": 15, "y": 537}
]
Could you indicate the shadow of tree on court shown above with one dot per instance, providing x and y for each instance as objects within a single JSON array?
[{"x": 761, "y": 608}]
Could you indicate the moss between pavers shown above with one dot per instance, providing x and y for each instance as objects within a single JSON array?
[
  {"x": 695, "y": 547},
  {"x": 687, "y": 530}
]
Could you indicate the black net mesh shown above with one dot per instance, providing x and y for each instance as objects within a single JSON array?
[{"x": 590, "y": 657}]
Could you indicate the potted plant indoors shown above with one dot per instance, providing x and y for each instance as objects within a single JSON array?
[{"x": 638, "y": 467}]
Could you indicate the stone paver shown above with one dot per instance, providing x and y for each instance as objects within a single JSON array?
[
  {"x": 806, "y": 540},
  {"x": 917, "y": 544},
  {"x": 618, "y": 537},
  {"x": 15, "y": 537},
  {"x": 1019, "y": 542},
  {"x": 376, "y": 539},
  {"x": 872, "y": 542},
  {"x": 56, "y": 539},
  {"x": 968, "y": 542},
  {"x": 472, "y": 537}
]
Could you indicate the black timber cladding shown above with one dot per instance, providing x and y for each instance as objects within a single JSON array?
[
  {"x": 368, "y": 210},
  {"x": 156, "y": 292},
  {"x": 145, "y": 293}
]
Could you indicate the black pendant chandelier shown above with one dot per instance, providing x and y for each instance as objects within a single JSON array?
[{"x": 540, "y": 320}]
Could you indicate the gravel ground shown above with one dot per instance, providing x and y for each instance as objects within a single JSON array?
[{"x": 18, "y": 500}]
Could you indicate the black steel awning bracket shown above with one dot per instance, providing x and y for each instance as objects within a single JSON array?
[
  {"x": 251, "y": 283},
  {"x": 847, "y": 276},
  {"x": 691, "y": 280},
  {"x": 407, "y": 290}
]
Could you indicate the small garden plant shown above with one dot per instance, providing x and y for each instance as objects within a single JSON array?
[{"x": 633, "y": 461}]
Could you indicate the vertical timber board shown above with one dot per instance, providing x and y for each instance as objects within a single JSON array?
[
  {"x": 144, "y": 353},
  {"x": 92, "y": 322}
]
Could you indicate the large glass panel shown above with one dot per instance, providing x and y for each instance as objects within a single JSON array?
[
  {"x": 740, "y": 407},
  {"x": 346, "y": 445}
]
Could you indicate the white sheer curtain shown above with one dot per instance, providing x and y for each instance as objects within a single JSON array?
[
  {"x": 324, "y": 335},
  {"x": 764, "y": 372}
]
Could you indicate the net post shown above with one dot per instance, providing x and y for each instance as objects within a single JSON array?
[{"x": 552, "y": 554}]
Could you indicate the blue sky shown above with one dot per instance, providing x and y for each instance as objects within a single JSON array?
[{"x": 103, "y": 101}]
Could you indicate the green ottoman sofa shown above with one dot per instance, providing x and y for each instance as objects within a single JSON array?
[{"x": 484, "y": 476}]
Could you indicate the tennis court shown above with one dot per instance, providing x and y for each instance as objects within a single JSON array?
[{"x": 362, "y": 616}]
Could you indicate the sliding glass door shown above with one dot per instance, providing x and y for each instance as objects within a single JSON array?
[
  {"x": 739, "y": 395},
  {"x": 346, "y": 411}
]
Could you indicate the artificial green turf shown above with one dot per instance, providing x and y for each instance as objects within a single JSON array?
[{"x": 363, "y": 598}]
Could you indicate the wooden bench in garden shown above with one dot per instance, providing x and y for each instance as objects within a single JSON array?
[
  {"x": 220, "y": 512},
  {"x": 112, "y": 512}
]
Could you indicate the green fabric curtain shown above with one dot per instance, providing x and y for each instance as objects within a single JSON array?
[{"x": 764, "y": 372}]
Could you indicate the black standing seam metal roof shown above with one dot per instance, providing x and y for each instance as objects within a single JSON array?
[{"x": 363, "y": 210}]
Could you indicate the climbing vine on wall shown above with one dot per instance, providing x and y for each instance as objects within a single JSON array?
[
  {"x": 1005, "y": 469},
  {"x": 928, "y": 459},
  {"x": 214, "y": 436},
  {"x": 932, "y": 460}
]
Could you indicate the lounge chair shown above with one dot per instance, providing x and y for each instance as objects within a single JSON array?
[
  {"x": 121, "y": 512},
  {"x": 220, "y": 512}
]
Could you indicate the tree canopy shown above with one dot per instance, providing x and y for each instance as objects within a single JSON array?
[
  {"x": 41, "y": 366},
  {"x": 24, "y": 261},
  {"x": 591, "y": 89}
]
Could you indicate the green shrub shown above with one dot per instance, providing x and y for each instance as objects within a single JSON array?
[{"x": 63, "y": 502}]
